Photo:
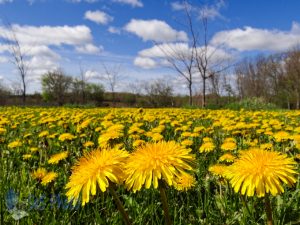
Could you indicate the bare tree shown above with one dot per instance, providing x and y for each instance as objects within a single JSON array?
[
  {"x": 205, "y": 61},
  {"x": 112, "y": 76},
  {"x": 208, "y": 65},
  {"x": 181, "y": 60},
  {"x": 18, "y": 59},
  {"x": 292, "y": 81}
]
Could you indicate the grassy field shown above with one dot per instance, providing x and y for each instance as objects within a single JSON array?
[{"x": 214, "y": 166}]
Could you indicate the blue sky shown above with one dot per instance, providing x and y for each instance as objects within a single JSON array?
[{"x": 68, "y": 33}]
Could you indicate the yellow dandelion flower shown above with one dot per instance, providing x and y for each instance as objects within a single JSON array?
[
  {"x": 229, "y": 139},
  {"x": 156, "y": 137},
  {"x": 97, "y": 129},
  {"x": 88, "y": 144},
  {"x": 39, "y": 173},
  {"x": 198, "y": 129},
  {"x": 207, "y": 139},
  {"x": 186, "y": 142},
  {"x": 33, "y": 149},
  {"x": 14, "y": 144},
  {"x": 259, "y": 172},
  {"x": 113, "y": 132},
  {"x": 99, "y": 166},
  {"x": 27, "y": 156},
  {"x": 266, "y": 146},
  {"x": 227, "y": 158},
  {"x": 54, "y": 159},
  {"x": 228, "y": 146},
  {"x": 48, "y": 178},
  {"x": 138, "y": 143},
  {"x": 281, "y": 136},
  {"x": 43, "y": 134},
  {"x": 207, "y": 147},
  {"x": 218, "y": 170},
  {"x": 2, "y": 130},
  {"x": 185, "y": 182},
  {"x": 186, "y": 134},
  {"x": 155, "y": 161},
  {"x": 66, "y": 137}
]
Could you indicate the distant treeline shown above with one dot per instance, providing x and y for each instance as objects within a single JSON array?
[{"x": 271, "y": 81}]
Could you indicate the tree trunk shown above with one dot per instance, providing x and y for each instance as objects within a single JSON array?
[
  {"x": 203, "y": 92},
  {"x": 24, "y": 93},
  {"x": 191, "y": 94},
  {"x": 297, "y": 99}
]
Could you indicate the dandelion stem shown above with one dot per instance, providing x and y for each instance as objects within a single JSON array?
[
  {"x": 245, "y": 205},
  {"x": 164, "y": 201},
  {"x": 119, "y": 205},
  {"x": 268, "y": 210}
]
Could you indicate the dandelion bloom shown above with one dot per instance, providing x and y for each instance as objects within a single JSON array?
[
  {"x": 260, "y": 171},
  {"x": 88, "y": 144},
  {"x": 54, "y": 159},
  {"x": 218, "y": 170},
  {"x": 156, "y": 136},
  {"x": 48, "y": 178},
  {"x": 186, "y": 142},
  {"x": 266, "y": 146},
  {"x": 99, "y": 166},
  {"x": 33, "y": 149},
  {"x": 207, "y": 147},
  {"x": 113, "y": 132},
  {"x": 281, "y": 136},
  {"x": 155, "y": 161},
  {"x": 27, "y": 156},
  {"x": 138, "y": 143},
  {"x": 227, "y": 158},
  {"x": 66, "y": 137},
  {"x": 2, "y": 130},
  {"x": 43, "y": 133},
  {"x": 39, "y": 173},
  {"x": 228, "y": 146},
  {"x": 14, "y": 144},
  {"x": 185, "y": 182}
]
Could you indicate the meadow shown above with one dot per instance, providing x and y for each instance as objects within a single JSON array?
[{"x": 149, "y": 166}]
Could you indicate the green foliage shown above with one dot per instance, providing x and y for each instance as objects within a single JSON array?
[{"x": 251, "y": 104}]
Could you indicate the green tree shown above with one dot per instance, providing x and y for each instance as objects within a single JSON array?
[
  {"x": 94, "y": 92},
  {"x": 55, "y": 86}
]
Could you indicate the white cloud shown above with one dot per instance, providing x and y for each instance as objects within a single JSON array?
[
  {"x": 250, "y": 38},
  {"x": 162, "y": 50},
  {"x": 144, "y": 62},
  {"x": 89, "y": 49},
  {"x": 4, "y": 48},
  {"x": 91, "y": 74},
  {"x": 114, "y": 30},
  {"x": 47, "y": 35},
  {"x": 78, "y": 1},
  {"x": 40, "y": 51},
  {"x": 3, "y": 59},
  {"x": 205, "y": 11},
  {"x": 155, "y": 30},
  {"x": 5, "y": 1},
  {"x": 212, "y": 11},
  {"x": 98, "y": 17},
  {"x": 157, "y": 56},
  {"x": 38, "y": 45},
  {"x": 133, "y": 3},
  {"x": 178, "y": 6}
]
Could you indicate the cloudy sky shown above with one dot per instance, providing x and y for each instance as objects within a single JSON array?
[{"x": 87, "y": 34}]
